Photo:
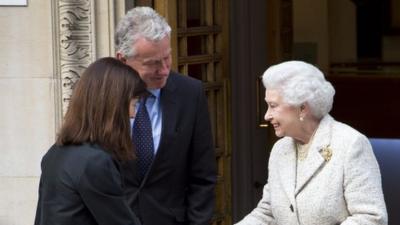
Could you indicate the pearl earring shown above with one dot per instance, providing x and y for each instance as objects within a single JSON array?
[{"x": 301, "y": 118}]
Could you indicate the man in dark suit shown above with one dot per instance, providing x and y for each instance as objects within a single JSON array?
[{"x": 174, "y": 182}]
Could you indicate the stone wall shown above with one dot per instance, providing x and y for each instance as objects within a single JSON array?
[{"x": 43, "y": 48}]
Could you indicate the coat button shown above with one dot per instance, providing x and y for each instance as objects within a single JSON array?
[{"x": 291, "y": 208}]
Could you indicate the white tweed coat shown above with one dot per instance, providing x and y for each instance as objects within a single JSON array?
[{"x": 346, "y": 189}]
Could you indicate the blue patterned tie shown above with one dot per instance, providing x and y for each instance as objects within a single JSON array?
[{"x": 143, "y": 138}]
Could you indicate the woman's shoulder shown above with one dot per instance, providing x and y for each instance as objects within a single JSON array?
[
  {"x": 344, "y": 131},
  {"x": 281, "y": 145},
  {"x": 332, "y": 130},
  {"x": 85, "y": 150},
  {"x": 74, "y": 158},
  {"x": 348, "y": 141},
  {"x": 70, "y": 166},
  {"x": 283, "y": 142}
]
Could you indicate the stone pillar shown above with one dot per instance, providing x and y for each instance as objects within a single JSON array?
[{"x": 74, "y": 42}]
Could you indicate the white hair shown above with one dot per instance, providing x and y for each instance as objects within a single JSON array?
[
  {"x": 139, "y": 22},
  {"x": 298, "y": 83}
]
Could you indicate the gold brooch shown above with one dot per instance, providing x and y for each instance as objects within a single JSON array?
[{"x": 326, "y": 153}]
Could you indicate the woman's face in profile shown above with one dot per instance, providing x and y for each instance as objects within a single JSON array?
[
  {"x": 282, "y": 116},
  {"x": 132, "y": 107}
]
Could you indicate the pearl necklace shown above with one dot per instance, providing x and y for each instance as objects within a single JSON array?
[{"x": 302, "y": 150}]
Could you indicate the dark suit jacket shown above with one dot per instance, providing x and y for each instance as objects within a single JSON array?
[
  {"x": 81, "y": 185},
  {"x": 179, "y": 186}
]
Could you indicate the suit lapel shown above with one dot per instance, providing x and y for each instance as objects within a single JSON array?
[
  {"x": 287, "y": 169},
  {"x": 314, "y": 162},
  {"x": 169, "y": 107}
]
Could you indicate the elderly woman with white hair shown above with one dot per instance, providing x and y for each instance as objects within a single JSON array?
[{"x": 321, "y": 171}]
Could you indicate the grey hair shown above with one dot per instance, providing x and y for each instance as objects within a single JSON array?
[
  {"x": 298, "y": 83},
  {"x": 139, "y": 22}
]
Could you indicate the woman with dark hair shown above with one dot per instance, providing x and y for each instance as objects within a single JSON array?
[{"x": 81, "y": 182}]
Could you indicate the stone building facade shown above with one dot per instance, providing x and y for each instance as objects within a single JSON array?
[{"x": 44, "y": 46}]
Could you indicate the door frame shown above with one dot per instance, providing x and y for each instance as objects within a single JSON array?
[{"x": 248, "y": 61}]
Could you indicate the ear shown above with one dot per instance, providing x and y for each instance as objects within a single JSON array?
[
  {"x": 120, "y": 57},
  {"x": 304, "y": 109}
]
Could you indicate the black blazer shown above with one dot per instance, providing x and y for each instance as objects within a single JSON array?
[
  {"x": 179, "y": 186},
  {"x": 81, "y": 185}
]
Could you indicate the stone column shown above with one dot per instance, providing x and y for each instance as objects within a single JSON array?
[{"x": 74, "y": 42}]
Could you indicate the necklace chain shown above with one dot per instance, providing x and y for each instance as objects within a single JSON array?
[{"x": 302, "y": 150}]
